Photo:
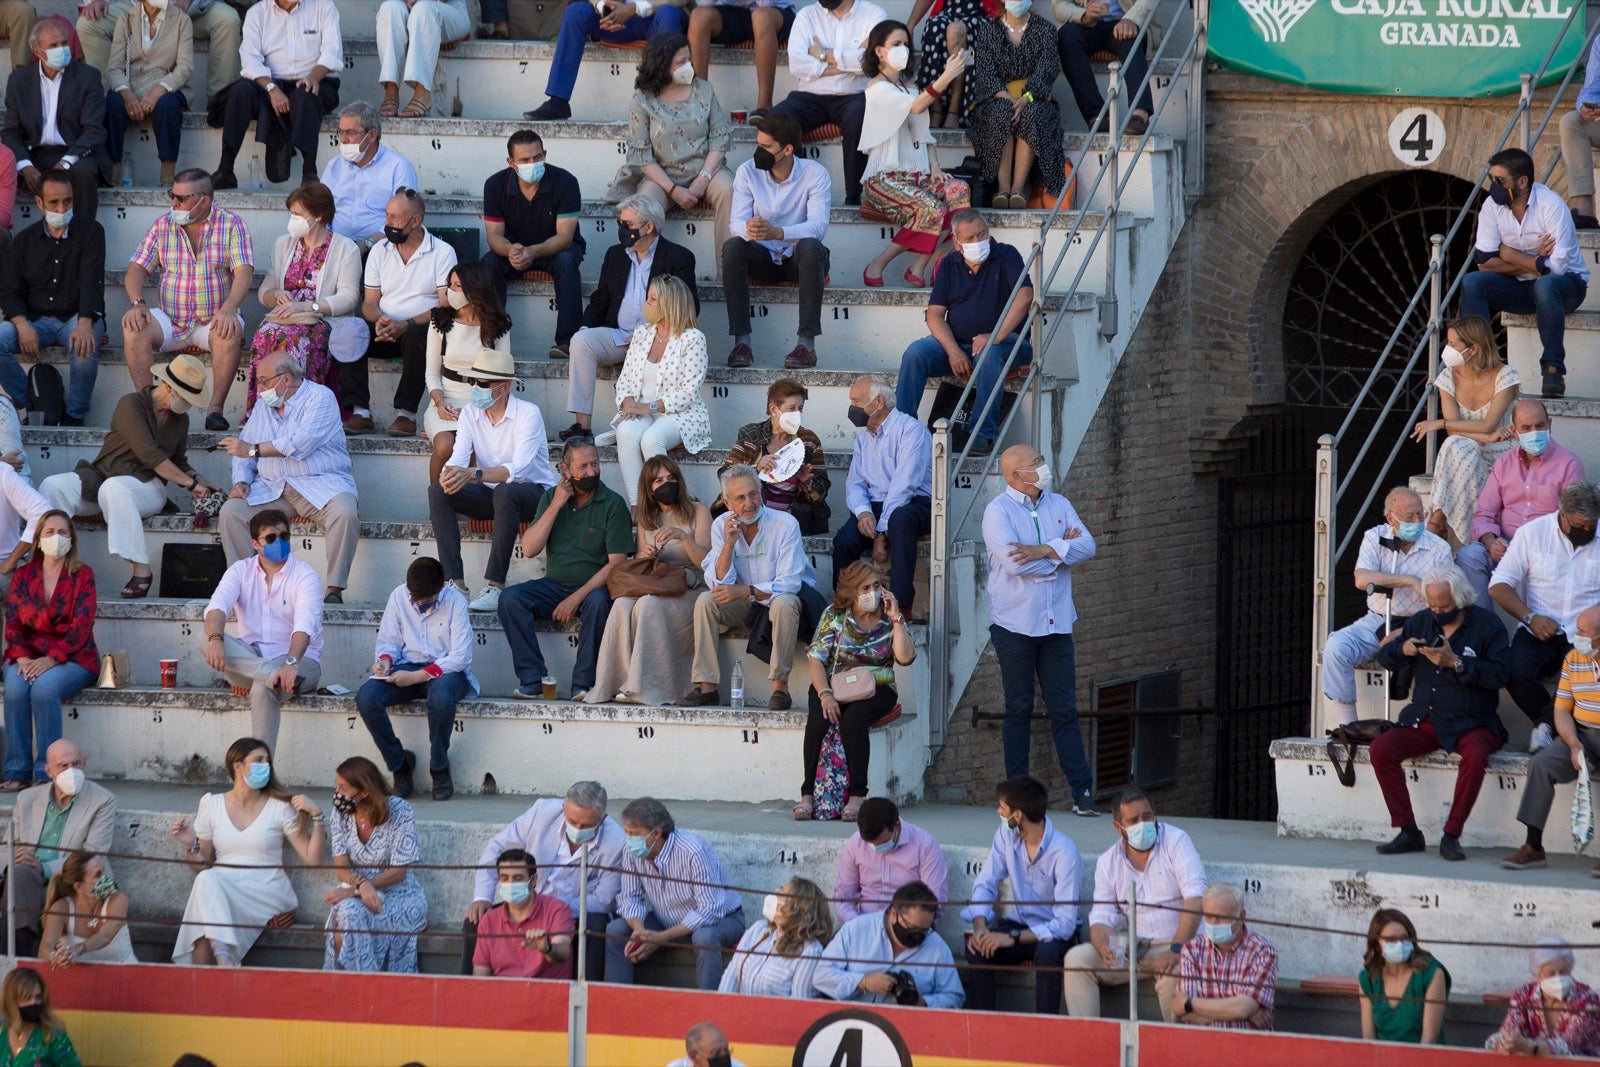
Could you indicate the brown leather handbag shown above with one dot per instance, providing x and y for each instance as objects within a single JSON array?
[{"x": 646, "y": 576}]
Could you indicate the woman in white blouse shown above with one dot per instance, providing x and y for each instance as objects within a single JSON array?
[
  {"x": 778, "y": 954},
  {"x": 658, "y": 391},
  {"x": 903, "y": 180},
  {"x": 474, "y": 321}
]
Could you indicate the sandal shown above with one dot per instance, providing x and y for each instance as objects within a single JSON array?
[
  {"x": 801, "y": 811},
  {"x": 416, "y": 110},
  {"x": 852, "y": 810},
  {"x": 137, "y": 587},
  {"x": 390, "y": 107}
]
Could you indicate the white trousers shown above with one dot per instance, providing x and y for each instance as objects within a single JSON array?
[
  {"x": 640, "y": 438},
  {"x": 124, "y": 501},
  {"x": 422, "y": 27}
]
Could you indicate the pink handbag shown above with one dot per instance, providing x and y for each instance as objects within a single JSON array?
[{"x": 856, "y": 683}]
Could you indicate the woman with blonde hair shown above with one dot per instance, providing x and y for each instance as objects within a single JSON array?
[
  {"x": 1476, "y": 393},
  {"x": 33, "y": 1033},
  {"x": 778, "y": 954},
  {"x": 378, "y": 908},
  {"x": 85, "y": 915},
  {"x": 658, "y": 391},
  {"x": 648, "y": 646}
]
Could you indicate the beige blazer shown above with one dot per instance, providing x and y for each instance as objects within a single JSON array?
[
  {"x": 90, "y": 824},
  {"x": 169, "y": 59},
  {"x": 1137, "y": 12}
]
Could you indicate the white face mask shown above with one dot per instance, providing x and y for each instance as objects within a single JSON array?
[
  {"x": 683, "y": 75},
  {"x": 298, "y": 226},
  {"x": 769, "y": 908},
  {"x": 1558, "y": 986},
  {"x": 868, "y": 600},
  {"x": 1452, "y": 356},
  {"x": 789, "y": 422},
  {"x": 69, "y": 781},
  {"x": 58, "y": 219},
  {"x": 158, "y": 5},
  {"x": 270, "y": 398},
  {"x": 1042, "y": 473},
  {"x": 175, "y": 403},
  {"x": 56, "y": 546},
  {"x": 457, "y": 298},
  {"x": 899, "y": 58},
  {"x": 976, "y": 252}
]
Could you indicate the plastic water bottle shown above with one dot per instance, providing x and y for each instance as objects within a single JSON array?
[
  {"x": 736, "y": 694},
  {"x": 127, "y": 170},
  {"x": 255, "y": 174}
]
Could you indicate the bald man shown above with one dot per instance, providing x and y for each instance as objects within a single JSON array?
[
  {"x": 1394, "y": 556},
  {"x": 707, "y": 1046},
  {"x": 1034, "y": 539}
]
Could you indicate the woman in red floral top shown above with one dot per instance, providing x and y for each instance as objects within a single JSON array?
[
  {"x": 50, "y": 652},
  {"x": 1554, "y": 1015}
]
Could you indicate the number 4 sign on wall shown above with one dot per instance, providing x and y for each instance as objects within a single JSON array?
[{"x": 1416, "y": 136}]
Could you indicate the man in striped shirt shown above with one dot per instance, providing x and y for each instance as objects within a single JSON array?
[
  {"x": 674, "y": 890},
  {"x": 1228, "y": 975},
  {"x": 1577, "y": 723}
]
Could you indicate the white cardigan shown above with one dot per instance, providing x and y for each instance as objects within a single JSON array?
[
  {"x": 682, "y": 373},
  {"x": 339, "y": 284}
]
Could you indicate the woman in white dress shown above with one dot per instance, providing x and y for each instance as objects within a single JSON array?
[
  {"x": 1476, "y": 391},
  {"x": 85, "y": 915},
  {"x": 903, "y": 181},
  {"x": 648, "y": 646},
  {"x": 779, "y": 952},
  {"x": 474, "y": 322},
  {"x": 658, "y": 391},
  {"x": 245, "y": 828}
]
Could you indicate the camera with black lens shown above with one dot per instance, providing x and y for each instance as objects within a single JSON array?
[{"x": 905, "y": 988}]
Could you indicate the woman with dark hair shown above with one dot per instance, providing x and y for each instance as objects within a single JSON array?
[
  {"x": 1403, "y": 988},
  {"x": 85, "y": 915},
  {"x": 778, "y": 954},
  {"x": 863, "y": 633},
  {"x": 1014, "y": 119},
  {"x": 648, "y": 646},
  {"x": 33, "y": 1033},
  {"x": 472, "y": 321},
  {"x": 378, "y": 908},
  {"x": 803, "y": 494},
  {"x": 315, "y": 282},
  {"x": 903, "y": 180},
  {"x": 235, "y": 848},
  {"x": 678, "y": 137},
  {"x": 50, "y": 650}
]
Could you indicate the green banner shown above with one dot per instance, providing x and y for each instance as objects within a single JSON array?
[{"x": 1397, "y": 47}]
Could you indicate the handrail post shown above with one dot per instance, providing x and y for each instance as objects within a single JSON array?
[
  {"x": 1194, "y": 149},
  {"x": 1133, "y": 953},
  {"x": 1435, "y": 331},
  {"x": 1108, "y": 298},
  {"x": 1525, "y": 109},
  {"x": 1322, "y": 568},
  {"x": 578, "y": 992},
  {"x": 939, "y": 694}
]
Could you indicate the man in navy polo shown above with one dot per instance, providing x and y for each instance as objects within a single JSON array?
[{"x": 971, "y": 290}]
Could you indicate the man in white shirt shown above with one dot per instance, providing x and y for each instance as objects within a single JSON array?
[
  {"x": 289, "y": 66},
  {"x": 1161, "y": 860},
  {"x": 56, "y": 117},
  {"x": 1528, "y": 260},
  {"x": 214, "y": 21},
  {"x": 291, "y": 455},
  {"x": 277, "y": 653},
  {"x": 1549, "y": 574},
  {"x": 424, "y": 652},
  {"x": 780, "y": 217},
  {"x": 499, "y": 469},
  {"x": 407, "y": 275},
  {"x": 364, "y": 175},
  {"x": 826, "y": 46},
  {"x": 707, "y": 1046}
]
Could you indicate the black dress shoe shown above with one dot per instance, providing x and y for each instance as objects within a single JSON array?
[
  {"x": 404, "y": 786},
  {"x": 68, "y": 420},
  {"x": 443, "y": 787},
  {"x": 1552, "y": 384},
  {"x": 552, "y": 109},
  {"x": 280, "y": 158},
  {"x": 224, "y": 179},
  {"x": 1409, "y": 840},
  {"x": 577, "y": 429},
  {"x": 1450, "y": 848},
  {"x": 1584, "y": 222}
]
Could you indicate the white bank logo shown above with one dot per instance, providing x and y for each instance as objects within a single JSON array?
[
  {"x": 1275, "y": 18},
  {"x": 1426, "y": 23}
]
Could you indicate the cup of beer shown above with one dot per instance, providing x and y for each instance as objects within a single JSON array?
[{"x": 548, "y": 685}]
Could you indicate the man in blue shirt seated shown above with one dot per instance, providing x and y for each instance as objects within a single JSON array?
[
  {"x": 892, "y": 957},
  {"x": 971, "y": 292},
  {"x": 1044, "y": 872}
]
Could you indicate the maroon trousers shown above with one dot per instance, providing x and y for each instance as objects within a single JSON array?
[{"x": 1396, "y": 746}]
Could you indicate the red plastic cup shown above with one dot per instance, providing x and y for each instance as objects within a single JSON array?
[{"x": 740, "y": 117}]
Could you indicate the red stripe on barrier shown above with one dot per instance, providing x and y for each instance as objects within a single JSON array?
[{"x": 1176, "y": 1046}]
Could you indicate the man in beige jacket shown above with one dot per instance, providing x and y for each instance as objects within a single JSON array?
[{"x": 1104, "y": 26}]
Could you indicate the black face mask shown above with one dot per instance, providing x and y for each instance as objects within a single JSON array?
[
  {"x": 763, "y": 159},
  {"x": 626, "y": 235},
  {"x": 587, "y": 484},
  {"x": 829, "y": 5},
  {"x": 343, "y": 804},
  {"x": 32, "y": 1014},
  {"x": 857, "y": 415},
  {"x": 667, "y": 494},
  {"x": 909, "y": 936},
  {"x": 396, "y": 235},
  {"x": 1579, "y": 536},
  {"x": 1445, "y": 618},
  {"x": 721, "y": 1059}
]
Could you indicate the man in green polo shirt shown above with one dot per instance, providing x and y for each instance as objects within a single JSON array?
[{"x": 584, "y": 530}]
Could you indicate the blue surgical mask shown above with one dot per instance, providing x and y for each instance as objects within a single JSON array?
[
  {"x": 1397, "y": 951},
  {"x": 1583, "y": 646},
  {"x": 1218, "y": 933},
  {"x": 884, "y": 846},
  {"x": 578, "y": 837},
  {"x": 1410, "y": 531},
  {"x": 1534, "y": 442},
  {"x": 1014, "y": 827},
  {"x": 182, "y": 216},
  {"x": 277, "y": 551},
  {"x": 1141, "y": 836},
  {"x": 513, "y": 892},
  {"x": 1018, "y": 8},
  {"x": 59, "y": 57},
  {"x": 752, "y": 520},
  {"x": 531, "y": 173},
  {"x": 257, "y": 775},
  {"x": 638, "y": 847},
  {"x": 482, "y": 397},
  {"x": 59, "y": 220}
]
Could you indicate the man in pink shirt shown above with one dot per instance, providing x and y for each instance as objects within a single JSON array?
[
  {"x": 885, "y": 853},
  {"x": 1524, "y": 484},
  {"x": 527, "y": 934}
]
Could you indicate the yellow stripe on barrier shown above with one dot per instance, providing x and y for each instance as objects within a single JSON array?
[{"x": 610, "y": 1049}]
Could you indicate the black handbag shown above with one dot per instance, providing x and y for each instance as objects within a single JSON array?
[
  {"x": 191, "y": 571},
  {"x": 1353, "y": 735}
]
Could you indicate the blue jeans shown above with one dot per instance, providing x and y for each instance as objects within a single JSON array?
[
  {"x": 1550, "y": 299},
  {"x": 167, "y": 122},
  {"x": 493, "y": 11},
  {"x": 524, "y": 604},
  {"x": 580, "y": 22},
  {"x": 442, "y": 694},
  {"x": 52, "y": 331},
  {"x": 926, "y": 358},
  {"x": 563, "y": 270},
  {"x": 1049, "y": 658},
  {"x": 33, "y": 716}
]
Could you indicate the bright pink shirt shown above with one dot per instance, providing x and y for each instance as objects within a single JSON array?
[
  {"x": 508, "y": 956},
  {"x": 1521, "y": 488}
]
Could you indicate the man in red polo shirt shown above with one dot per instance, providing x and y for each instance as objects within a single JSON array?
[{"x": 527, "y": 934}]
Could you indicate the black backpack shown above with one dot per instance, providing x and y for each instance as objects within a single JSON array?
[{"x": 47, "y": 394}]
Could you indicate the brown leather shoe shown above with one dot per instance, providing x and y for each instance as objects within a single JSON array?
[
  {"x": 779, "y": 700},
  {"x": 1524, "y": 857},
  {"x": 698, "y": 698},
  {"x": 741, "y": 356},
  {"x": 403, "y": 426},
  {"x": 801, "y": 358},
  {"x": 355, "y": 425}
]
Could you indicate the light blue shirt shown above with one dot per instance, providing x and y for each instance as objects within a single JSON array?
[
  {"x": 360, "y": 194},
  {"x": 630, "y": 314},
  {"x": 690, "y": 893},
  {"x": 798, "y": 205},
  {"x": 890, "y": 465},
  {"x": 862, "y": 947},
  {"x": 442, "y": 637},
  {"x": 1055, "y": 874},
  {"x": 775, "y": 562},
  {"x": 541, "y": 832},
  {"x": 1033, "y": 599},
  {"x": 307, "y": 430},
  {"x": 1590, "y": 93}
]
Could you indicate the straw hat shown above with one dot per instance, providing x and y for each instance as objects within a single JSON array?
[{"x": 185, "y": 374}]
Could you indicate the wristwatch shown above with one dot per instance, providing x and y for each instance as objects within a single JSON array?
[
  {"x": 1188, "y": 1005},
  {"x": 271, "y": 86},
  {"x": 1527, "y": 620},
  {"x": 477, "y": 474},
  {"x": 1177, "y": 948},
  {"x": 316, "y": 307},
  {"x": 255, "y": 450},
  {"x": 290, "y": 661}
]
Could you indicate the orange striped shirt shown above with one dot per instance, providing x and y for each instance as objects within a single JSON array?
[{"x": 1579, "y": 689}]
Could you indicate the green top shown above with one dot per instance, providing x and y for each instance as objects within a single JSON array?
[
  {"x": 55, "y": 824},
  {"x": 583, "y": 537},
  {"x": 1403, "y": 1021},
  {"x": 37, "y": 1052}
]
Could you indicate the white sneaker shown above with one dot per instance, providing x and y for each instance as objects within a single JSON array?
[
  {"x": 1541, "y": 737},
  {"x": 488, "y": 600}
]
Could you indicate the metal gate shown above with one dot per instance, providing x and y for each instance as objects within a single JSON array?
[{"x": 1263, "y": 611}]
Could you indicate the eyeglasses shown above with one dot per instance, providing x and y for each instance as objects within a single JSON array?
[
  {"x": 178, "y": 198},
  {"x": 486, "y": 383},
  {"x": 271, "y": 536}
]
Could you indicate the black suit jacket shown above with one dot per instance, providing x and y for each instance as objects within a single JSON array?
[
  {"x": 80, "y": 115},
  {"x": 607, "y": 299}
]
